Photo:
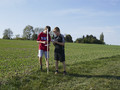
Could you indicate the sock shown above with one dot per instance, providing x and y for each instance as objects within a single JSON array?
[
  {"x": 41, "y": 67},
  {"x": 64, "y": 71}
]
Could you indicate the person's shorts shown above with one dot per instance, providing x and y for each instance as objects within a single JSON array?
[
  {"x": 59, "y": 56},
  {"x": 41, "y": 52}
]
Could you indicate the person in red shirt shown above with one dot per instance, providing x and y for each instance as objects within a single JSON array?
[{"x": 42, "y": 41}]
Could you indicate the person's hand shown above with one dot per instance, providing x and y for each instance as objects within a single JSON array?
[
  {"x": 38, "y": 42},
  {"x": 55, "y": 42},
  {"x": 44, "y": 42}
]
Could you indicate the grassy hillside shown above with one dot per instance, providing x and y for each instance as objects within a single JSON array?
[{"x": 89, "y": 67}]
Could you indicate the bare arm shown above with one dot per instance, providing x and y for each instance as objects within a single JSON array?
[
  {"x": 60, "y": 43},
  {"x": 41, "y": 42}
]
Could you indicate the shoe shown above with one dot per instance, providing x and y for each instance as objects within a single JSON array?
[
  {"x": 64, "y": 73},
  {"x": 41, "y": 68},
  {"x": 56, "y": 72}
]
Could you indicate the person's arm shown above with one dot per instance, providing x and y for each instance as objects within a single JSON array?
[
  {"x": 44, "y": 42},
  {"x": 61, "y": 43},
  {"x": 39, "y": 39},
  {"x": 53, "y": 43}
]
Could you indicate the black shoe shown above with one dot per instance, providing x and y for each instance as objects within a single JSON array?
[
  {"x": 41, "y": 68},
  {"x": 64, "y": 73}
]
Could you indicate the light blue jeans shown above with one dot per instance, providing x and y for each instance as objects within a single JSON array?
[{"x": 41, "y": 52}]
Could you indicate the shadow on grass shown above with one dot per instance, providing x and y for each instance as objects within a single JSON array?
[
  {"x": 117, "y": 56},
  {"x": 96, "y": 76},
  {"x": 96, "y": 63},
  {"x": 18, "y": 81}
]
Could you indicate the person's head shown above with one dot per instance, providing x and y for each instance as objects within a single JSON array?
[
  {"x": 47, "y": 28},
  {"x": 56, "y": 31}
]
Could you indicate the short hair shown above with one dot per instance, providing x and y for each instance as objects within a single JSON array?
[
  {"x": 57, "y": 29},
  {"x": 49, "y": 28}
]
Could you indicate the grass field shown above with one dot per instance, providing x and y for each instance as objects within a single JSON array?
[{"x": 89, "y": 67}]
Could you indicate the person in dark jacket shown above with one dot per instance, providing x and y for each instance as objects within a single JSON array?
[{"x": 59, "y": 52}]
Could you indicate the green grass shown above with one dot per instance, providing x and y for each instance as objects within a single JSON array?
[{"x": 89, "y": 67}]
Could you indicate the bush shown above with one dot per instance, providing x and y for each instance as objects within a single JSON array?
[
  {"x": 90, "y": 39},
  {"x": 6, "y": 37}
]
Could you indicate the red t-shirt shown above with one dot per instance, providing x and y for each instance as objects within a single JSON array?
[{"x": 43, "y": 37}]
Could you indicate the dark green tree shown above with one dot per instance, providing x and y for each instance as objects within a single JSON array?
[
  {"x": 68, "y": 38},
  {"x": 34, "y": 36},
  {"x": 7, "y": 34},
  {"x": 89, "y": 39},
  {"x": 102, "y": 37},
  {"x": 27, "y": 32}
]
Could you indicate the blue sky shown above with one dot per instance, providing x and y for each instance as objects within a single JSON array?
[{"x": 75, "y": 17}]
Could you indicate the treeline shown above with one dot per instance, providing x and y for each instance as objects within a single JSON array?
[
  {"x": 30, "y": 33},
  {"x": 90, "y": 39}
]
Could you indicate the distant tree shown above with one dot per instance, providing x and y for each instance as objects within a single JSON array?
[
  {"x": 79, "y": 40},
  {"x": 5, "y": 37},
  {"x": 102, "y": 37},
  {"x": 52, "y": 34},
  {"x": 83, "y": 36},
  {"x": 27, "y": 32},
  {"x": 89, "y": 39},
  {"x": 17, "y": 36},
  {"x": 34, "y": 36},
  {"x": 38, "y": 30},
  {"x": 68, "y": 38},
  {"x": 7, "y": 34}
]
